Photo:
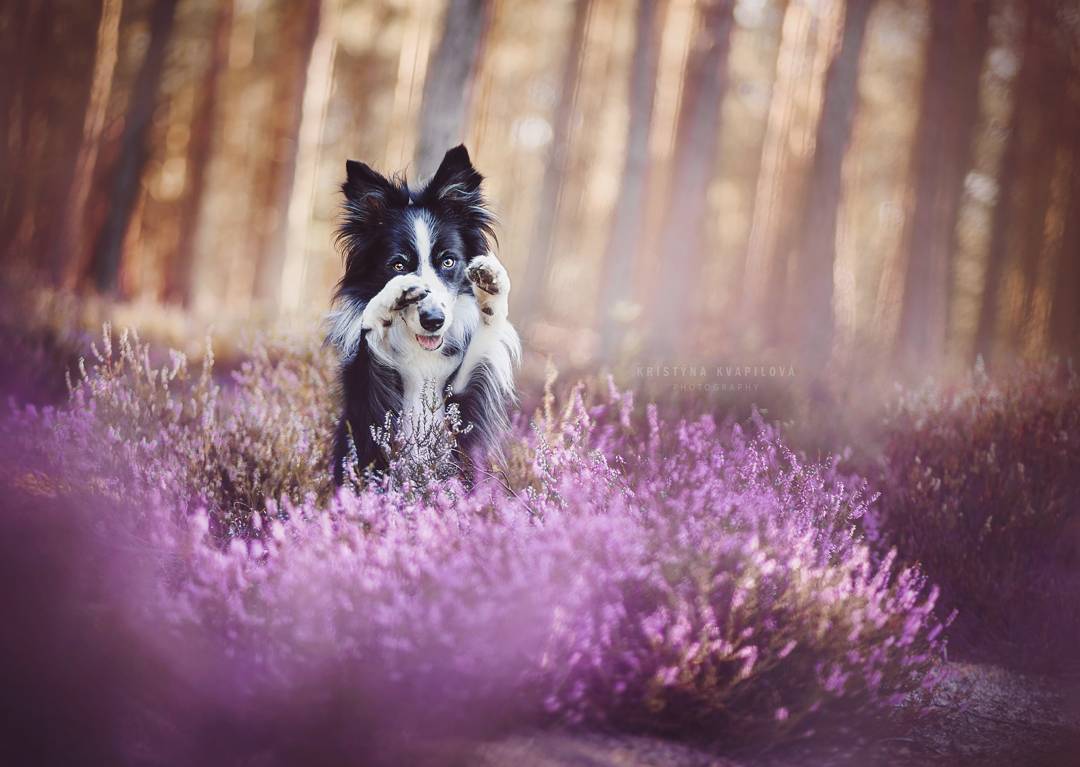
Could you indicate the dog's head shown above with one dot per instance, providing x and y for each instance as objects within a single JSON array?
[{"x": 431, "y": 232}]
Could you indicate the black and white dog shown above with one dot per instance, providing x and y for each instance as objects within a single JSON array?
[{"x": 422, "y": 306}]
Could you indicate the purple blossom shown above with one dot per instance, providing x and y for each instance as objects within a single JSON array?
[
  {"x": 980, "y": 483},
  {"x": 689, "y": 576}
]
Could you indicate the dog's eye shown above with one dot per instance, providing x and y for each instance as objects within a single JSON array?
[
  {"x": 399, "y": 266},
  {"x": 448, "y": 262}
]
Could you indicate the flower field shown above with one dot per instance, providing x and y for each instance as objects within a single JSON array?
[{"x": 623, "y": 569}]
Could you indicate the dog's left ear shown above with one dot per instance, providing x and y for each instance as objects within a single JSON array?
[{"x": 456, "y": 180}]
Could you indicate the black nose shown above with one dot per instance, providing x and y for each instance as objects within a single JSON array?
[{"x": 431, "y": 319}]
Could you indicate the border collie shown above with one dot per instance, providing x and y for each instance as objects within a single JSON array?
[{"x": 422, "y": 306}]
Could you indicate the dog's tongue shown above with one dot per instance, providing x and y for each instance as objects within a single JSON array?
[{"x": 431, "y": 343}]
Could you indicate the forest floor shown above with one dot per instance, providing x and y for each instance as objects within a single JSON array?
[{"x": 980, "y": 715}]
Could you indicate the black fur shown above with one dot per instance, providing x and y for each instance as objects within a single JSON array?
[
  {"x": 376, "y": 226},
  {"x": 375, "y": 234},
  {"x": 370, "y": 390}
]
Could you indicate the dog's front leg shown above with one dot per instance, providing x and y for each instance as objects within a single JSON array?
[
  {"x": 397, "y": 295},
  {"x": 355, "y": 320},
  {"x": 402, "y": 291},
  {"x": 495, "y": 343},
  {"x": 491, "y": 286}
]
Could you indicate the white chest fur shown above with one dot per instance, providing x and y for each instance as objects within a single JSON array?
[{"x": 426, "y": 372}]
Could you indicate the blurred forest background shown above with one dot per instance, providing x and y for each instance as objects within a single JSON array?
[{"x": 877, "y": 184}]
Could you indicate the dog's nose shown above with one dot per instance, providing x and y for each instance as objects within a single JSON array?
[{"x": 431, "y": 319}]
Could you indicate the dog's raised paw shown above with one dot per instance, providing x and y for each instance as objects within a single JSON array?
[
  {"x": 487, "y": 274},
  {"x": 412, "y": 292}
]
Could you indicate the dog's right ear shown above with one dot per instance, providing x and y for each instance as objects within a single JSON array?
[
  {"x": 367, "y": 191},
  {"x": 456, "y": 180}
]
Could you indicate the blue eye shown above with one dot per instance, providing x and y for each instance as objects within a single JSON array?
[{"x": 448, "y": 263}]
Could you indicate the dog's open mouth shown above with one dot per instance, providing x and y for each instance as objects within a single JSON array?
[{"x": 431, "y": 343}]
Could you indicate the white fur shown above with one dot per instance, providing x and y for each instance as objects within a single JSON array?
[
  {"x": 352, "y": 317},
  {"x": 482, "y": 317},
  {"x": 418, "y": 366},
  {"x": 422, "y": 238},
  {"x": 346, "y": 327},
  {"x": 495, "y": 342},
  {"x": 438, "y": 294}
]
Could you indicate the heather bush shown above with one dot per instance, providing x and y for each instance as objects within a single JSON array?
[
  {"x": 981, "y": 486},
  {"x": 620, "y": 570},
  {"x": 148, "y": 424},
  {"x": 36, "y": 346},
  {"x": 746, "y": 599}
]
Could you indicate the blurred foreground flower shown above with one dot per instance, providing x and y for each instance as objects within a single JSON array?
[{"x": 681, "y": 577}]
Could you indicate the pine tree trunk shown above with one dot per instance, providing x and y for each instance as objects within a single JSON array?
[
  {"x": 303, "y": 26},
  {"x": 320, "y": 84},
  {"x": 940, "y": 163},
  {"x": 1033, "y": 247},
  {"x": 1065, "y": 309},
  {"x": 448, "y": 84},
  {"x": 179, "y": 270},
  {"x": 1018, "y": 183},
  {"x": 68, "y": 252},
  {"x": 696, "y": 143},
  {"x": 134, "y": 149},
  {"x": 538, "y": 265},
  {"x": 809, "y": 32},
  {"x": 628, "y": 221},
  {"x": 30, "y": 29},
  {"x": 815, "y": 259},
  {"x": 1064, "y": 321}
]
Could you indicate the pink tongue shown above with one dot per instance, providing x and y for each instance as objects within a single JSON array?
[{"x": 430, "y": 343}]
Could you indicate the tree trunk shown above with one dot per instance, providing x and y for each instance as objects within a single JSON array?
[
  {"x": 134, "y": 150},
  {"x": 539, "y": 262},
  {"x": 1049, "y": 145},
  {"x": 813, "y": 267},
  {"x": 179, "y": 269},
  {"x": 809, "y": 32},
  {"x": 628, "y": 221},
  {"x": 18, "y": 21},
  {"x": 1065, "y": 309},
  {"x": 448, "y": 84},
  {"x": 1064, "y": 321},
  {"x": 69, "y": 248},
  {"x": 940, "y": 163},
  {"x": 271, "y": 212},
  {"x": 30, "y": 28},
  {"x": 309, "y": 141},
  {"x": 696, "y": 142},
  {"x": 1018, "y": 182}
]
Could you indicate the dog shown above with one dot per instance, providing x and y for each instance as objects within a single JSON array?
[{"x": 422, "y": 307}]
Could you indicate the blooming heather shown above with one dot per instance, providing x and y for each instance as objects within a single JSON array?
[
  {"x": 620, "y": 570},
  {"x": 980, "y": 483}
]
